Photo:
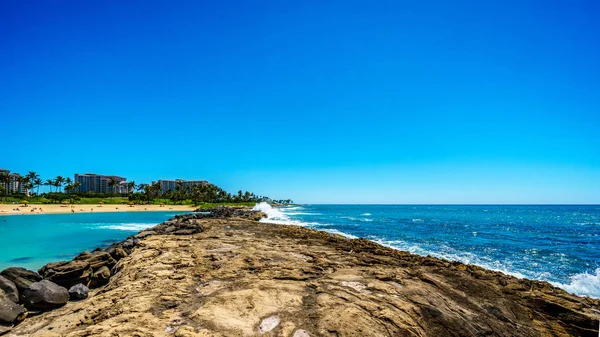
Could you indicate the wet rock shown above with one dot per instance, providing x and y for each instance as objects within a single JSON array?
[
  {"x": 44, "y": 295},
  {"x": 67, "y": 274},
  {"x": 21, "y": 277},
  {"x": 10, "y": 312},
  {"x": 9, "y": 288},
  {"x": 78, "y": 292},
  {"x": 100, "y": 277}
]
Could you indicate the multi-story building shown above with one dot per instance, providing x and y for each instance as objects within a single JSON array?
[
  {"x": 14, "y": 186},
  {"x": 171, "y": 185},
  {"x": 97, "y": 183}
]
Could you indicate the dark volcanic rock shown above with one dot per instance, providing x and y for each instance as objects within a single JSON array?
[
  {"x": 44, "y": 295},
  {"x": 21, "y": 277},
  {"x": 231, "y": 212},
  {"x": 10, "y": 312},
  {"x": 100, "y": 277},
  {"x": 9, "y": 288},
  {"x": 67, "y": 274},
  {"x": 78, "y": 292}
]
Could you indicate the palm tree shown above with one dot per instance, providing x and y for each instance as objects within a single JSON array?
[
  {"x": 49, "y": 183},
  {"x": 37, "y": 182},
  {"x": 5, "y": 180},
  {"x": 112, "y": 183},
  {"x": 130, "y": 187},
  {"x": 76, "y": 185},
  {"x": 32, "y": 175},
  {"x": 59, "y": 181},
  {"x": 23, "y": 181},
  {"x": 68, "y": 181}
]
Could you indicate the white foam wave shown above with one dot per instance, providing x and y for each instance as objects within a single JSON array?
[
  {"x": 583, "y": 284},
  {"x": 366, "y": 214},
  {"x": 128, "y": 226},
  {"x": 335, "y": 231},
  {"x": 300, "y": 213}
]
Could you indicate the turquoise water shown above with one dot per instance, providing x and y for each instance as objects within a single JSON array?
[
  {"x": 559, "y": 244},
  {"x": 31, "y": 241}
]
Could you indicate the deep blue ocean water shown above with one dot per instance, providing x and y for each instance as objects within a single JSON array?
[
  {"x": 559, "y": 244},
  {"x": 31, "y": 241}
]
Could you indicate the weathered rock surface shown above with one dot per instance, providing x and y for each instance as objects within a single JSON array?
[
  {"x": 78, "y": 292},
  {"x": 242, "y": 278},
  {"x": 44, "y": 295},
  {"x": 21, "y": 277},
  {"x": 97, "y": 259},
  {"x": 67, "y": 274},
  {"x": 100, "y": 277},
  {"x": 10, "y": 312},
  {"x": 9, "y": 288}
]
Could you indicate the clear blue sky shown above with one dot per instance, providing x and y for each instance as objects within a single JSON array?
[{"x": 318, "y": 101}]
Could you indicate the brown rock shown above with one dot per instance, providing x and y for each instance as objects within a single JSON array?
[
  {"x": 100, "y": 277},
  {"x": 97, "y": 260},
  {"x": 67, "y": 274},
  {"x": 21, "y": 277}
]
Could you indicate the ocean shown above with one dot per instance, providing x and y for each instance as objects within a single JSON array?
[
  {"x": 31, "y": 241},
  {"x": 558, "y": 244}
]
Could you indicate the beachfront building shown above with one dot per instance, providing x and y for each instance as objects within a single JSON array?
[
  {"x": 97, "y": 183},
  {"x": 14, "y": 185},
  {"x": 171, "y": 185}
]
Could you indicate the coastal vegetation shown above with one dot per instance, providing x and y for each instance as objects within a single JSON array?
[{"x": 64, "y": 190}]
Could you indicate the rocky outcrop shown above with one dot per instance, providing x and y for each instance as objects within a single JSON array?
[
  {"x": 222, "y": 212},
  {"x": 10, "y": 312},
  {"x": 9, "y": 288},
  {"x": 242, "y": 278},
  {"x": 21, "y": 277},
  {"x": 97, "y": 259},
  {"x": 44, "y": 295},
  {"x": 67, "y": 274},
  {"x": 78, "y": 292}
]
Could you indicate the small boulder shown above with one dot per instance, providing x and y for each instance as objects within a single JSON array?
[
  {"x": 9, "y": 288},
  {"x": 117, "y": 253},
  {"x": 144, "y": 234},
  {"x": 10, "y": 312},
  {"x": 21, "y": 277},
  {"x": 67, "y": 274},
  {"x": 44, "y": 295},
  {"x": 78, "y": 292},
  {"x": 100, "y": 277}
]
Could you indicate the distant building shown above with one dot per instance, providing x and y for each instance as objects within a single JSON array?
[
  {"x": 14, "y": 186},
  {"x": 171, "y": 185},
  {"x": 96, "y": 183}
]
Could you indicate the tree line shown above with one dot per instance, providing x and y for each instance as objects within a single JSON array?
[{"x": 61, "y": 189}]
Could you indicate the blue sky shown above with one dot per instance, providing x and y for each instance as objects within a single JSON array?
[{"x": 321, "y": 102}]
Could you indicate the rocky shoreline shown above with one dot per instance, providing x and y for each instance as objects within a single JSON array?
[{"x": 225, "y": 274}]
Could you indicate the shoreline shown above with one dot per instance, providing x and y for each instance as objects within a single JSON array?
[
  {"x": 358, "y": 285},
  {"x": 35, "y": 209}
]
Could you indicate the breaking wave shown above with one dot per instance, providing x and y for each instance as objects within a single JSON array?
[{"x": 127, "y": 226}]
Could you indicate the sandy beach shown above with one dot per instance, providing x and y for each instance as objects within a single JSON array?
[{"x": 15, "y": 209}]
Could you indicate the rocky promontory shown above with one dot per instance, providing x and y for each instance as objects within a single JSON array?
[{"x": 225, "y": 274}]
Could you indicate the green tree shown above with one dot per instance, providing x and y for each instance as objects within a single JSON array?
[{"x": 58, "y": 183}]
